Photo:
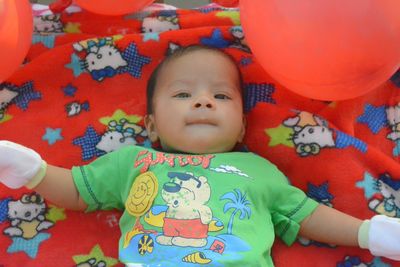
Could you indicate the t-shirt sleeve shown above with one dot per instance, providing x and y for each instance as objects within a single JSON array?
[
  {"x": 98, "y": 183},
  {"x": 289, "y": 206}
]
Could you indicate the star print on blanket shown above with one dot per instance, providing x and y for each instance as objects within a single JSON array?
[{"x": 81, "y": 94}]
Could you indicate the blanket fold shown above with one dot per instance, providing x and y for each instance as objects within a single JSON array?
[{"x": 65, "y": 103}]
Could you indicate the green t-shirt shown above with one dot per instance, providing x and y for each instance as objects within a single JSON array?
[{"x": 191, "y": 210}]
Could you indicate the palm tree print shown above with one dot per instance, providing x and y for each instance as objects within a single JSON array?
[{"x": 238, "y": 203}]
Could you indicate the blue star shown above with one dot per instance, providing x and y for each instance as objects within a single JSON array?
[
  {"x": 29, "y": 246},
  {"x": 151, "y": 36},
  {"x": 146, "y": 143},
  {"x": 255, "y": 93},
  {"x": 396, "y": 149},
  {"x": 4, "y": 209},
  {"x": 46, "y": 40},
  {"x": 88, "y": 144},
  {"x": 26, "y": 93},
  {"x": 377, "y": 262},
  {"x": 368, "y": 184},
  {"x": 319, "y": 193},
  {"x": 350, "y": 261},
  {"x": 69, "y": 90},
  {"x": 344, "y": 140},
  {"x": 374, "y": 117},
  {"x": 75, "y": 65},
  {"x": 135, "y": 61},
  {"x": 52, "y": 135},
  {"x": 216, "y": 40}
]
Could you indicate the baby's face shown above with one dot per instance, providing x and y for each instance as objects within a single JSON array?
[{"x": 197, "y": 105}]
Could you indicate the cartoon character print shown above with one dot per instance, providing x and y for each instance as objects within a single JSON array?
[
  {"x": 103, "y": 59},
  {"x": 389, "y": 202},
  {"x": 140, "y": 198},
  {"x": 47, "y": 24},
  {"x": 393, "y": 119},
  {"x": 355, "y": 261},
  {"x": 351, "y": 261},
  {"x": 75, "y": 108},
  {"x": 160, "y": 24},
  {"x": 187, "y": 217},
  {"x": 121, "y": 134},
  {"x": 6, "y": 97},
  {"x": 239, "y": 40},
  {"x": 310, "y": 133},
  {"x": 27, "y": 217},
  {"x": 177, "y": 218}
]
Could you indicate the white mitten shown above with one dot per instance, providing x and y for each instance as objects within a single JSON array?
[
  {"x": 20, "y": 166},
  {"x": 381, "y": 235}
]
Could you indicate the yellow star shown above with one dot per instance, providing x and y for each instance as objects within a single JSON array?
[
  {"x": 233, "y": 15},
  {"x": 117, "y": 37},
  {"x": 72, "y": 27},
  {"x": 6, "y": 118},
  {"x": 95, "y": 254},
  {"x": 118, "y": 115},
  {"x": 55, "y": 214},
  {"x": 280, "y": 135}
]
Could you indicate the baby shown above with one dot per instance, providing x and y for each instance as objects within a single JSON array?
[{"x": 198, "y": 200}]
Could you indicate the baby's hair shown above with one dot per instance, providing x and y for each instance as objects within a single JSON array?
[{"x": 152, "y": 82}]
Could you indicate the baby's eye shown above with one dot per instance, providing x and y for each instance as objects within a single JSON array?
[
  {"x": 182, "y": 95},
  {"x": 222, "y": 96}
]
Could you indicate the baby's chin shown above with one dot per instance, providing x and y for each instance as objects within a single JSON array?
[{"x": 197, "y": 148}]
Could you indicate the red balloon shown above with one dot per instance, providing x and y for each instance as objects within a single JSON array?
[
  {"x": 227, "y": 3},
  {"x": 113, "y": 7},
  {"x": 326, "y": 50},
  {"x": 16, "y": 26}
]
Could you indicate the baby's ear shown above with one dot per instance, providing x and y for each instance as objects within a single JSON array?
[
  {"x": 150, "y": 128},
  {"x": 243, "y": 131}
]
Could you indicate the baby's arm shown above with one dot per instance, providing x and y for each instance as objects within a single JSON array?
[
  {"x": 21, "y": 166},
  {"x": 331, "y": 226},
  {"x": 58, "y": 187},
  {"x": 381, "y": 234}
]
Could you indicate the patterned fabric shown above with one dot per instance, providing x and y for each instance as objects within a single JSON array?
[
  {"x": 81, "y": 94},
  {"x": 186, "y": 204}
]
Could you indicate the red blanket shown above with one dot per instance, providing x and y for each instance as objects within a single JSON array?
[{"x": 84, "y": 82}]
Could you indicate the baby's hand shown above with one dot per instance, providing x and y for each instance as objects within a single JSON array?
[
  {"x": 381, "y": 235},
  {"x": 20, "y": 166}
]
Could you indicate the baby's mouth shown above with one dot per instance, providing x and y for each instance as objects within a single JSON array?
[{"x": 201, "y": 121}]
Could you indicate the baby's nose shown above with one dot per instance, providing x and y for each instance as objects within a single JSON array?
[{"x": 204, "y": 102}]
